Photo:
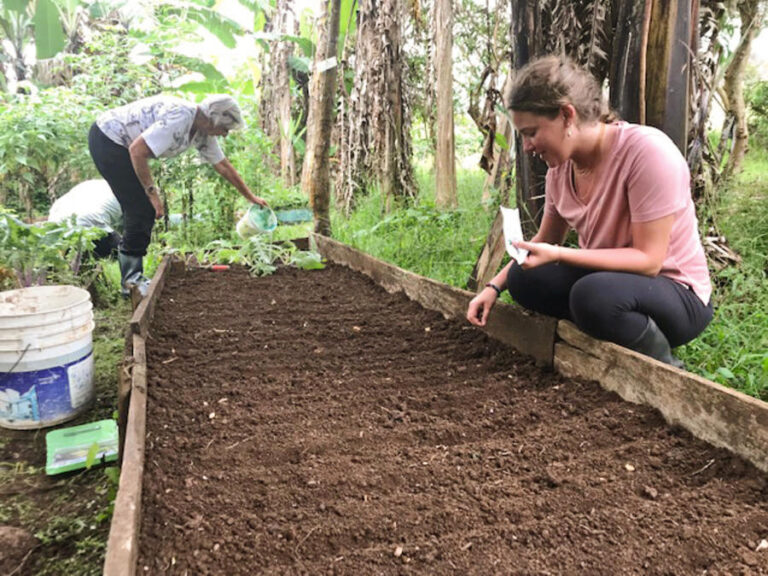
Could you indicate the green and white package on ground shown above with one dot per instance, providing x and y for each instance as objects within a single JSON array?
[{"x": 81, "y": 446}]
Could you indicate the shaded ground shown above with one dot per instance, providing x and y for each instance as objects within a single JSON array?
[
  {"x": 58, "y": 525},
  {"x": 311, "y": 423}
]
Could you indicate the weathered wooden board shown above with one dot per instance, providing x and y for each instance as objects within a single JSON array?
[
  {"x": 142, "y": 316},
  {"x": 123, "y": 401},
  {"x": 123, "y": 542},
  {"x": 718, "y": 415},
  {"x": 531, "y": 334}
]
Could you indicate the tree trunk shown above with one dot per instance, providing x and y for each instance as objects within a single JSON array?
[
  {"x": 395, "y": 170},
  {"x": 283, "y": 97},
  {"x": 356, "y": 141},
  {"x": 627, "y": 70},
  {"x": 275, "y": 106},
  {"x": 668, "y": 65},
  {"x": 376, "y": 144},
  {"x": 501, "y": 155},
  {"x": 531, "y": 172},
  {"x": 267, "y": 104},
  {"x": 702, "y": 159},
  {"x": 445, "y": 153},
  {"x": 315, "y": 178},
  {"x": 733, "y": 84},
  {"x": 430, "y": 97}
]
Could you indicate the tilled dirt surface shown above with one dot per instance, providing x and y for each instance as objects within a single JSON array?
[{"x": 311, "y": 423}]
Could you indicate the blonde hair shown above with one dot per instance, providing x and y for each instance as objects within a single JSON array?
[{"x": 545, "y": 85}]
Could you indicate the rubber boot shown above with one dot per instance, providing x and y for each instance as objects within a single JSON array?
[
  {"x": 132, "y": 274},
  {"x": 653, "y": 343}
]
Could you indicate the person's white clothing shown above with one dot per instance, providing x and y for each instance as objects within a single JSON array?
[
  {"x": 92, "y": 203},
  {"x": 165, "y": 123}
]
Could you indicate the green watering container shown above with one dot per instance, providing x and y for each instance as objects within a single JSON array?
[{"x": 258, "y": 220}]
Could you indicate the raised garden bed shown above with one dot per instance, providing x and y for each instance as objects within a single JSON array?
[{"x": 311, "y": 422}]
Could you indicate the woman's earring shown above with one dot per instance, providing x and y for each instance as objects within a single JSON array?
[{"x": 569, "y": 133}]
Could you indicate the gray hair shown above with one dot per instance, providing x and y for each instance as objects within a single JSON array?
[{"x": 223, "y": 111}]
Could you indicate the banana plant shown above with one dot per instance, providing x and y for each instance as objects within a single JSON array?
[{"x": 15, "y": 33}]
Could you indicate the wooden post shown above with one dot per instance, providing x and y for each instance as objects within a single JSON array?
[
  {"x": 123, "y": 401},
  {"x": 667, "y": 75},
  {"x": 651, "y": 63}
]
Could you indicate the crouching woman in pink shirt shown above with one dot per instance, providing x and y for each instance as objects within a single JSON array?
[{"x": 639, "y": 277}]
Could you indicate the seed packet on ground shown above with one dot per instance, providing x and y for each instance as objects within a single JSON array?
[{"x": 78, "y": 446}]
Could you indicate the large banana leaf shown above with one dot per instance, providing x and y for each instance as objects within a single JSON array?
[
  {"x": 347, "y": 23},
  {"x": 17, "y": 6},
  {"x": 306, "y": 45},
  {"x": 49, "y": 35},
  {"x": 225, "y": 29},
  {"x": 208, "y": 70}
]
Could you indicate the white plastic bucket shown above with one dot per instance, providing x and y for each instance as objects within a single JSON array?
[
  {"x": 258, "y": 220},
  {"x": 46, "y": 355}
]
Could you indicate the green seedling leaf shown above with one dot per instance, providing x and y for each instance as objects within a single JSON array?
[
  {"x": 725, "y": 373},
  {"x": 90, "y": 458},
  {"x": 308, "y": 260}
]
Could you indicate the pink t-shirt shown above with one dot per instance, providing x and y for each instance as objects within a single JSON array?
[{"x": 644, "y": 179}]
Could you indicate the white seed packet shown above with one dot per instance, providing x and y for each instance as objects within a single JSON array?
[{"x": 513, "y": 232}]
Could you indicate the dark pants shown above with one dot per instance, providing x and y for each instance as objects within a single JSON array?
[
  {"x": 106, "y": 246},
  {"x": 613, "y": 306},
  {"x": 114, "y": 163}
]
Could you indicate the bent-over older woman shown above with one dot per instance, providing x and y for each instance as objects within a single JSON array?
[{"x": 122, "y": 141}]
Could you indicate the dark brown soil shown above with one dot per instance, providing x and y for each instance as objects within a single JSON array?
[{"x": 311, "y": 423}]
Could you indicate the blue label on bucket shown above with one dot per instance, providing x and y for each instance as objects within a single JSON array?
[{"x": 46, "y": 395}]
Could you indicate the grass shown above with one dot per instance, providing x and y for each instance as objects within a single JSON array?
[
  {"x": 733, "y": 350},
  {"x": 444, "y": 245}
]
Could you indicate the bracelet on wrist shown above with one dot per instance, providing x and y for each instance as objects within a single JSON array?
[{"x": 495, "y": 288}]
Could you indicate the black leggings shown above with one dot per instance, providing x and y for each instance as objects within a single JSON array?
[
  {"x": 613, "y": 306},
  {"x": 113, "y": 161}
]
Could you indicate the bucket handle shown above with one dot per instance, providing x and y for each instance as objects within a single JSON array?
[{"x": 8, "y": 374}]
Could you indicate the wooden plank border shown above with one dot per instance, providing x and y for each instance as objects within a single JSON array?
[
  {"x": 123, "y": 542},
  {"x": 531, "y": 334},
  {"x": 711, "y": 412},
  {"x": 143, "y": 313}
]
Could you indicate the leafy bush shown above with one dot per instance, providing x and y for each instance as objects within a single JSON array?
[
  {"x": 106, "y": 71},
  {"x": 46, "y": 253},
  {"x": 43, "y": 146}
]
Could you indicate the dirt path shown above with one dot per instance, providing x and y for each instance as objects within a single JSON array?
[{"x": 311, "y": 423}]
